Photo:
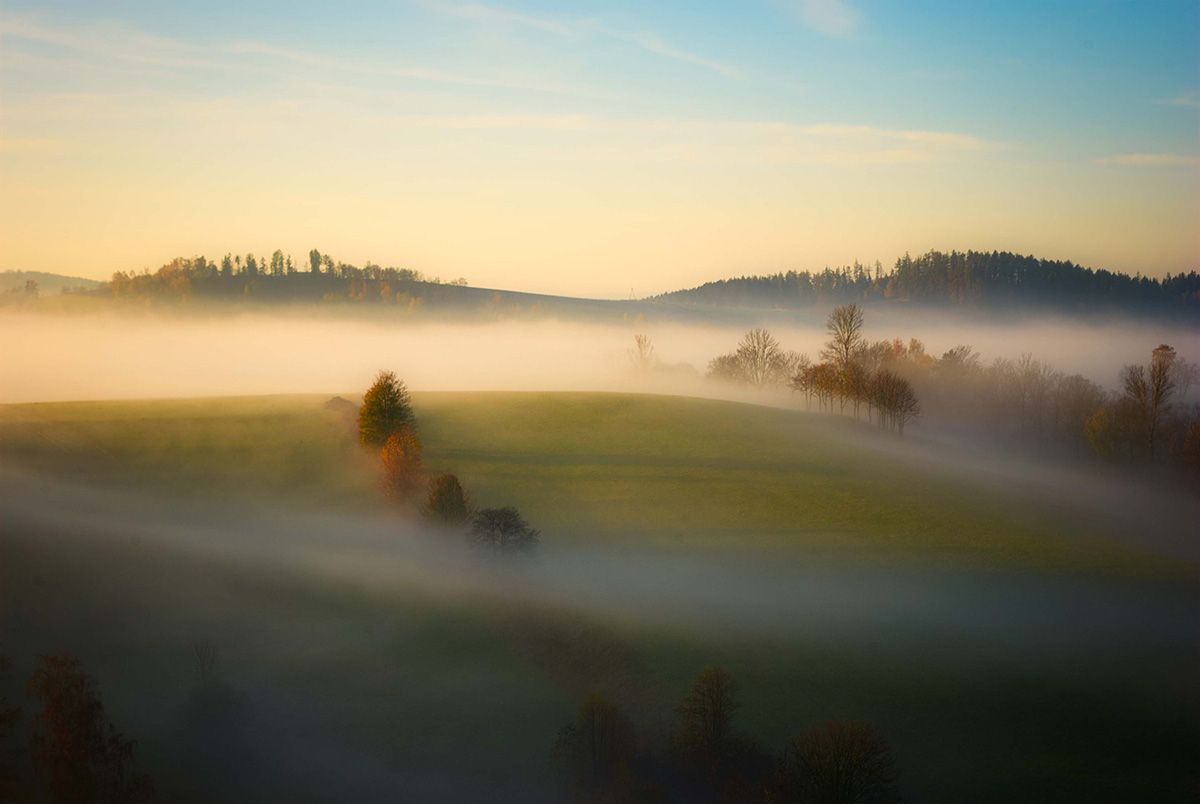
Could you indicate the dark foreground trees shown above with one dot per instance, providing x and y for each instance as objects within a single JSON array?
[
  {"x": 594, "y": 756},
  {"x": 10, "y": 716},
  {"x": 703, "y": 733},
  {"x": 844, "y": 762},
  {"x": 386, "y": 409},
  {"x": 80, "y": 757}
]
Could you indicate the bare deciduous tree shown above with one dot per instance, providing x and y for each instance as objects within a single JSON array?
[
  {"x": 503, "y": 530},
  {"x": 1150, "y": 392},
  {"x": 641, "y": 356},
  {"x": 594, "y": 754},
  {"x": 704, "y": 721},
  {"x": 845, "y": 335}
]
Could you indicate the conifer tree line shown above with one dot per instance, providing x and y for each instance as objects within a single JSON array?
[
  {"x": 972, "y": 279},
  {"x": 996, "y": 281}
]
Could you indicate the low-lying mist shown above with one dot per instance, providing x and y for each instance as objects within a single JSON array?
[{"x": 53, "y": 358}]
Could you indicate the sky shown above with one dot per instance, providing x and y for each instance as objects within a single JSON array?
[{"x": 598, "y": 149}]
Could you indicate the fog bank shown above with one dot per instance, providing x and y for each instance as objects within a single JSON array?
[{"x": 51, "y": 358}]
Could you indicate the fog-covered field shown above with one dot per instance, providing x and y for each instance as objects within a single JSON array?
[
  {"x": 1017, "y": 629},
  {"x": 122, "y": 356}
]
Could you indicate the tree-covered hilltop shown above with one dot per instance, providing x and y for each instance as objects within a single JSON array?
[
  {"x": 972, "y": 279},
  {"x": 277, "y": 278}
]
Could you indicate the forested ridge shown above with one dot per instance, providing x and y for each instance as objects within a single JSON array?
[
  {"x": 976, "y": 280},
  {"x": 972, "y": 279}
]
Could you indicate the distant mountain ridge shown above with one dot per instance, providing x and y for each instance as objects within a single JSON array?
[{"x": 970, "y": 279}]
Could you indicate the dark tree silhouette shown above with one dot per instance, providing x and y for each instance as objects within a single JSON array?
[
  {"x": 503, "y": 530},
  {"x": 703, "y": 733},
  {"x": 10, "y": 716},
  {"x": 838, "y": 763},
  {"x": 76, "y": 751},
  {"x": 1150, "y": 391},
  {"x": 594, "y": 755},
  {"x": 447, "y": 503},
  {"x": 386, "y": 408}
]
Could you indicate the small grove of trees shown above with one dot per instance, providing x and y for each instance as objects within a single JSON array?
[
  {"x": 386, "y": 422},
  {"x": 602, "y": 757},
  {"x": 758, "y": 361},
  {"x": 852, "y": 372}
]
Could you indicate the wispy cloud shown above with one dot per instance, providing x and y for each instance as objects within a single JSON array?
[
  {"x": 105, "y": 38},
  {"x": 576, "y": 28},
  {"x": 1151, "y": 160},
  {"x": 116, "y": 43},
  {"x": 365, "y": 68},
  {"x": 836, "y": 18},
  {"x": 934, "y": 140},
  {"x": 655, "y": 44},
  {"x": 525, "y": 122},
  {"x": 479, "y": 13},
  {"x": 1186, "y": 99}
]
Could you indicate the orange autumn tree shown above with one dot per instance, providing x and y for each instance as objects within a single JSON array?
[
  {"x": 402, "y": 472},
  {"x": 77, "y": 752}
]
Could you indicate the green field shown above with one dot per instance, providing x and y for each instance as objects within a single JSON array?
[
  {"x": 1030, "y": 675},
  {"x": 650, "y": 471}
]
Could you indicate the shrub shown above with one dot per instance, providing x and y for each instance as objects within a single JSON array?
[{"x": 448, "y": 503}]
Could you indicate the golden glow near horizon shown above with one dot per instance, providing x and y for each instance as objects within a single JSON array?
[{"x": 641, "y": 166}]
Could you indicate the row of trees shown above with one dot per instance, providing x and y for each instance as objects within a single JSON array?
[
  {"x": 1150, "y": 416},
  {"x": 273, "y": 278},
  {"x": 974, "y": 279},
  {"x": 851, "y": 372},
  {"x": 601, "y": 757},
  {"x": 386, "y": 422},
  {"x": 76, "y": 755}
]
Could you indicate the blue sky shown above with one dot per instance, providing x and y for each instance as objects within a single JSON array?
[{"x": 588, "y": 148}]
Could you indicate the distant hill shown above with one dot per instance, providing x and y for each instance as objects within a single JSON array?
[
  {"x": 46, "y": 283},
  {"x": 972, "y": 279},
  {"x": 998, "y": 282}
]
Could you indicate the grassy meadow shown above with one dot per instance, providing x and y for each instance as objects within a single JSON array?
[
  {"x": 648, "y": 471},
  {"x": 369, "y": 689}
]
